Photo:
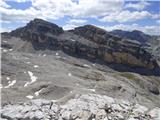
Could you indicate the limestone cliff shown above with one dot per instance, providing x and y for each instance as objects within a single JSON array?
[{"x": 87, "y": 41}]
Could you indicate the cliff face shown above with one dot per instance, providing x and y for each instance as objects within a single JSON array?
[
  {"x": 117, "y": 50},
  {"x": 88, "y": 41}
]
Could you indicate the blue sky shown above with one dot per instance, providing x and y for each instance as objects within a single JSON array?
[{"x": 108, "y": 14}]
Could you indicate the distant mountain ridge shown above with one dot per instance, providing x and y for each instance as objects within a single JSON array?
[
  {"x": 87, "y": 41},
  {"x": 136, "y": 35}
]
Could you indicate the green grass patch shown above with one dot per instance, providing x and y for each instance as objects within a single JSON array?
[{"x": 128, "y": 75}]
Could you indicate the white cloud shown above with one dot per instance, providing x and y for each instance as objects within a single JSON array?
[
  {"x": 22, "y": 0},
  {"x": 14, "y": 15},
  {"x": 4, "y": 30},
  {"x": 3, "y": 21},
  {"x": 126, "y": 16},
  {"x": 94, "y": 8},
  {"x": 138, "y": 6},
  {"x": 72, "y": 23},
  {"x": 4, "y": 4},
  {"x": 55, "y": 9},
  {"x": 82, "y": 8},
  {"x": 153, "y": 30},
  {"x": 45, "y": 9},
  {"x": 18, "y": 0},
  {"x": 79, "y": 11},
  {"x": 156, "y": 16},
  {"x": 69, "y": 26},
  {"x": 77, "y": 21}
]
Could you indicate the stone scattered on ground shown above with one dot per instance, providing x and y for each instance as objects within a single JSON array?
[{"x": 82, "y": 107}]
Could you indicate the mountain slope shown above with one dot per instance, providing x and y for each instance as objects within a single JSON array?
[
  {"x": 60, "y": 66},
  {"x": 86, "y": 41}
]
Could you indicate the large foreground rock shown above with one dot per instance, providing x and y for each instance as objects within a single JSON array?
[{"x": 82, "y": 107}]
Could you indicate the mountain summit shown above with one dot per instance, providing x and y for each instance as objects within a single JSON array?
[{"x": 87, "y": 41}]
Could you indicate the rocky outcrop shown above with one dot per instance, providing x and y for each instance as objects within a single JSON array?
[
  {"x": 39, "y": 32},
  {"x": 82, "y": 107},
  {"x": 37, "y": 29},
  {"x": 87, "y": 41},
  {"x": 115, "y": 49}
]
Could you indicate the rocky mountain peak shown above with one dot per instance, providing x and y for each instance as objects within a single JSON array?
[
  {"x": 36, "y": 28},
  {"x": 44, "y": 26},
  {"x": 133, "y": 35},
  {"x": 86, "y": 41},
  {"x": 90, "y": 29},
  {"x": 137, "y": 31}
]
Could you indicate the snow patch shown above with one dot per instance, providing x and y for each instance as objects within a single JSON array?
[
  {"x": 1, "y": 86},
  {"x": 44, "y": 55},
  {"x": 71, "y": 91},
  {"x": 10, "y": 49},
  {"x": 10, "y": 84},
  {"x": 85, "y": 65},
  {"x": 54, "y": 100},
  {"x": 35, "y": 66},
  {"x": 4, "y": 50},
  {"x": 33, "y": 79},
  {"x": 69, "y": 74},
  {"x": 93, "y": 90},
  {"x": 73, "y": 40},
  {"x": 57, "y": 54},
  {"x": 29, "y": 96},
  {"x": 8, "y": 78},
  {"x": 94, "y": 64},
  {"x": 4, "y": 41},
  {"x": 37, "y": 93}
]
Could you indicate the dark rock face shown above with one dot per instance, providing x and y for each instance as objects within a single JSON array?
[
  {"x": 38, "y": 32},
  {"x": 88, "y": 41},
  {"x": 153, "y": 89},
  {"x": 37, "y": 27},
  {"x": 115, "y": 49},
  {"x": 151, "y": 42}
]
